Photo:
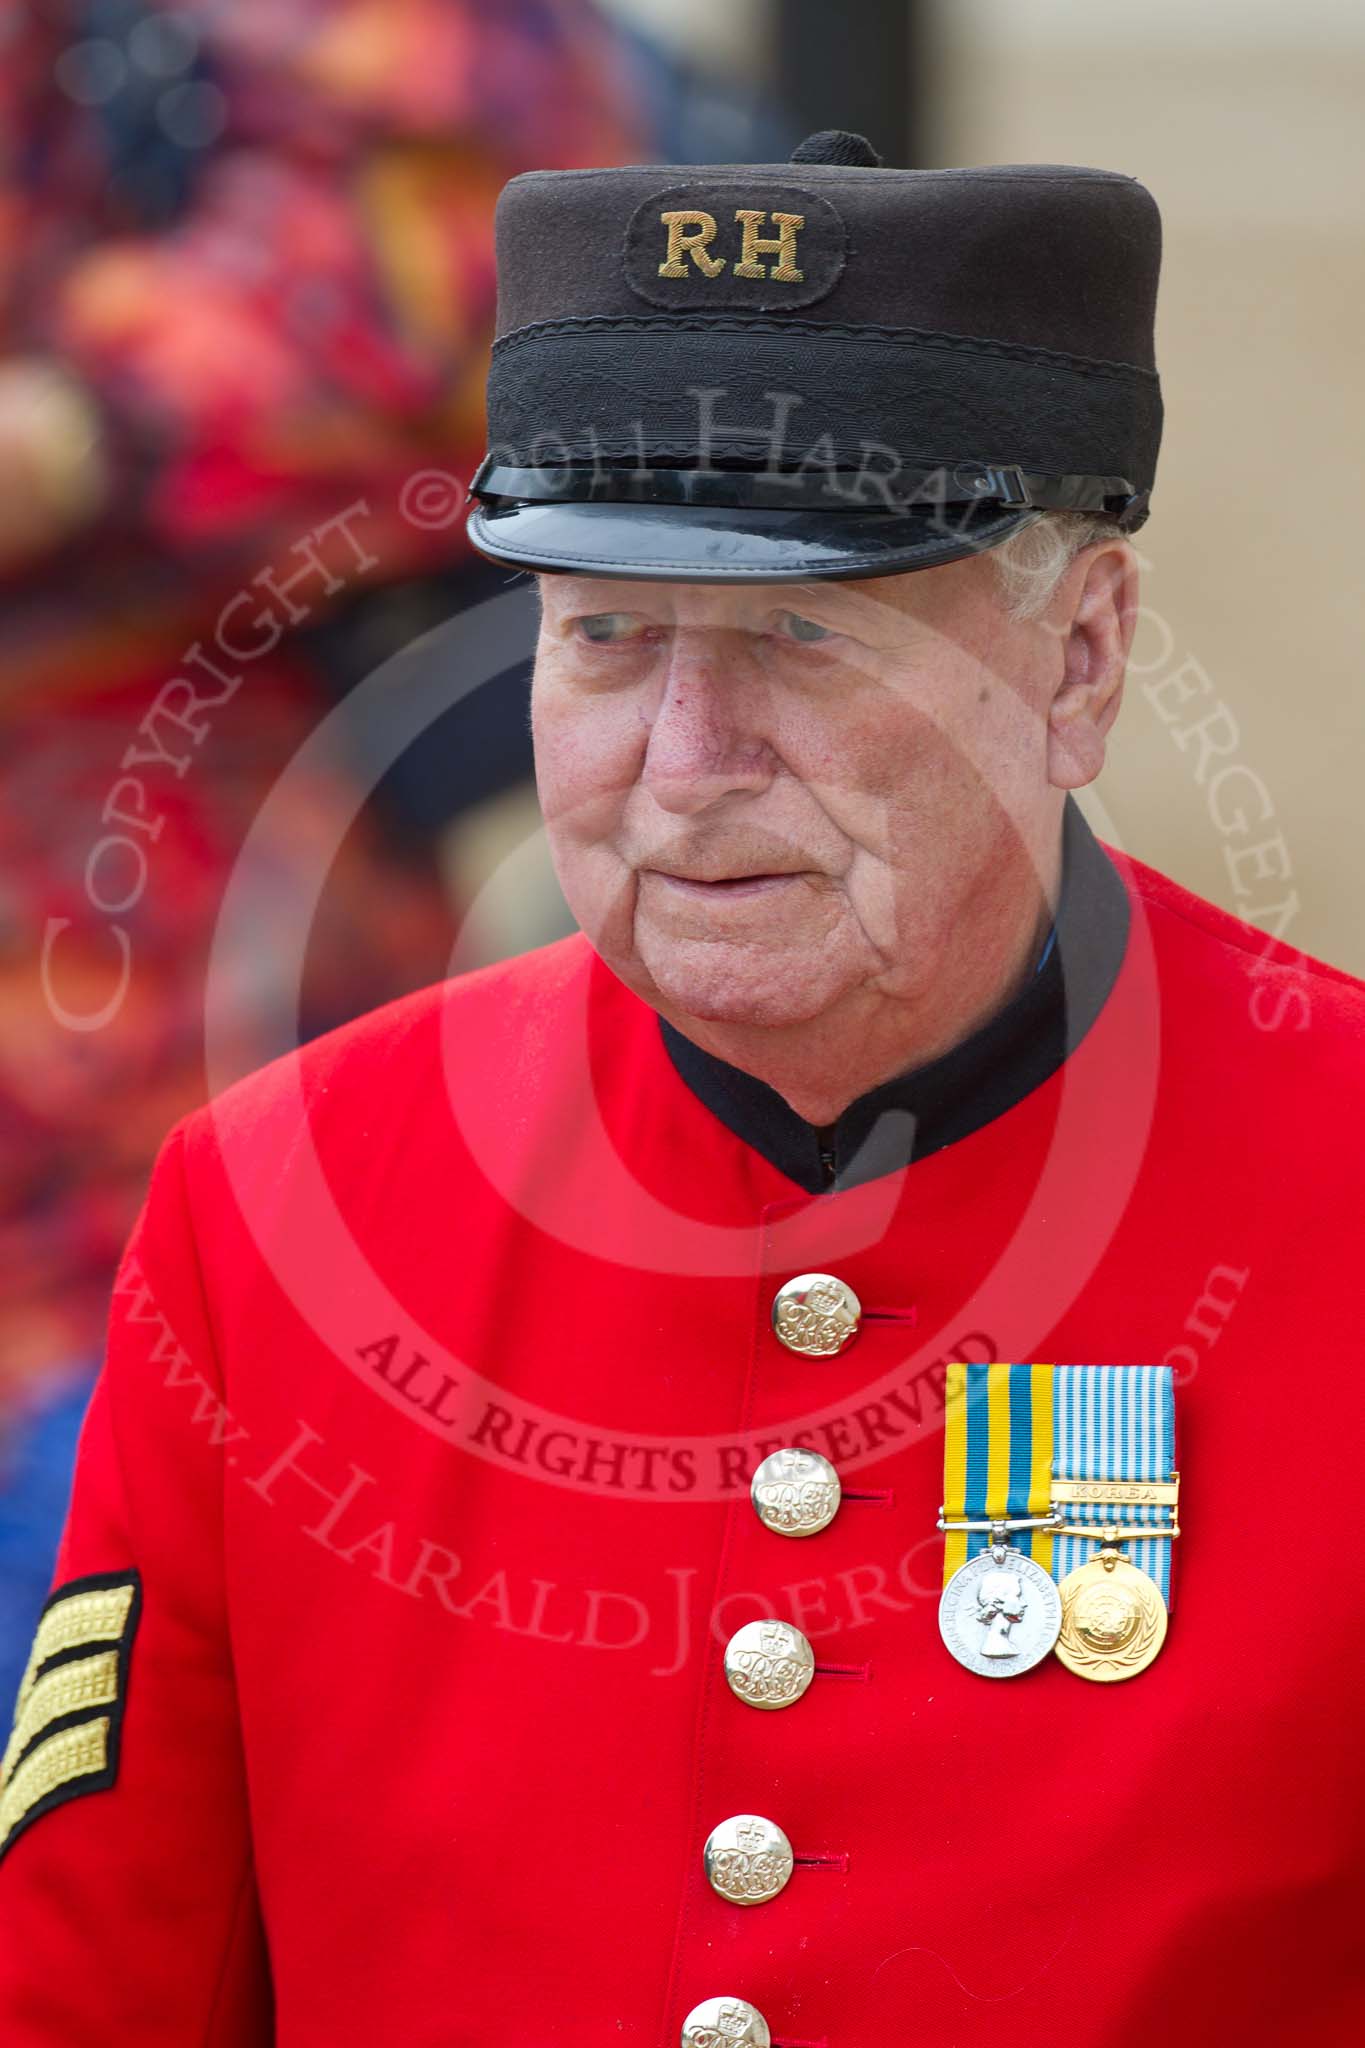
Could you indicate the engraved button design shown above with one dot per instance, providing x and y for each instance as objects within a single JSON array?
[
  {"x": 768, "y": 1664},
  {"x": 816, "y": 1314},
  {"x": 725, "y": 2023},
  {"x": 747, "y": 1859},
  {"x": 795, "y": 1492}
]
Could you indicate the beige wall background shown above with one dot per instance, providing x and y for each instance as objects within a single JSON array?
[{"x": 1247, "y": 121}]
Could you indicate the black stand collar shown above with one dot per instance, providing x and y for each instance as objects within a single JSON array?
[{"x": 921, "y": 1111}]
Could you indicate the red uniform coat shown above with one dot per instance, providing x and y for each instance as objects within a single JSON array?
[{"x": 438, "y": 1365}]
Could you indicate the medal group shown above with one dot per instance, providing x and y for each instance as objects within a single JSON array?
[{"x": 1078, "y": 1460}]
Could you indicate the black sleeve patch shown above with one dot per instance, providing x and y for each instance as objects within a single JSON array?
[{"x": 69, "y": 1714}]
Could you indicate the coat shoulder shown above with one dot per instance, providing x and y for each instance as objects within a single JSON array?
[
  {"x": 392, "y": 1056},
  {"x": 1238, "y": 979}
]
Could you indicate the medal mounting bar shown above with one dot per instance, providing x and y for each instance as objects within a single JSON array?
[
  {"x": 1114, "y": 1532},
  {"x": 1002, "y": 1522},
  {"x": 1108, "y": 1493}
]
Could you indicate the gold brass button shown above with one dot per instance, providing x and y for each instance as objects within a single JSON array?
[
  {"x": 747, "y": 1859},
  {"x": 768, "y": 1664},
  {"x": 795, "y": 1492},
  {"x": 816, "y": 1314},
  {"x": 725, "y": 2023}
]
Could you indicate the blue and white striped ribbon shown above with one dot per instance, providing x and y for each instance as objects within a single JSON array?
[{"x": 1114, "y": 1422}]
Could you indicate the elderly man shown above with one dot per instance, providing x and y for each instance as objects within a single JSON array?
[{"x": 428, "y": 1660}]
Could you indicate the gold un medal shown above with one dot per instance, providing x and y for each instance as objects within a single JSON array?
[{"x": 1113, "y": 1618}]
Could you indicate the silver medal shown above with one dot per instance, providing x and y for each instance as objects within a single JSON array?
[{"x": 1000, "y": 1613}]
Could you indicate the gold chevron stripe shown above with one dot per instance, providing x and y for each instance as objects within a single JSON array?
[
  {"x": 91, "y": 1617},
  {"x": 79, "y": 1752},
  {"x": 85, "y": 1682}
]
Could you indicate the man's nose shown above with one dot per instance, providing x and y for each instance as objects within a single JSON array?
[{"x": 705, "y": 741}]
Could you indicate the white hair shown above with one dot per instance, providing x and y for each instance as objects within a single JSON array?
[{"x": 1032, "y": 562}]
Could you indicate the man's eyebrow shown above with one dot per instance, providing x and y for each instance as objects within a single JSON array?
[{"x": 853, "y": 607}]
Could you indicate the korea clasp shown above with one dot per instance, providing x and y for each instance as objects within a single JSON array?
[{"x": 1116, "y": 1493}]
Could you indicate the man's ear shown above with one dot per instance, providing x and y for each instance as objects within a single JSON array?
[{"x": 1095, "y": 617}]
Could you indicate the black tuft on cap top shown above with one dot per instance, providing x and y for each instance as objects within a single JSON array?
[{"x": 836, "y": 146}]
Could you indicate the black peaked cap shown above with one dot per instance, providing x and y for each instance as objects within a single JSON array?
[{"x": 829, "y": 367}]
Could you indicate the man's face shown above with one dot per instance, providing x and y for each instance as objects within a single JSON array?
[{"x": 768, "y": 801}]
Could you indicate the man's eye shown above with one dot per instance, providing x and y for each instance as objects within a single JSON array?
[
  {"x": 604, "y": 627},
  {"x": 795, "y": 627}
]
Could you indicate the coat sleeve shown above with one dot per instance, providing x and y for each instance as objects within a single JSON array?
[{"x": 128, "y": 1908}]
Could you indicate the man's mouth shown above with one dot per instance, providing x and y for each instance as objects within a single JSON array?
[{"x": 727, "y": 886}]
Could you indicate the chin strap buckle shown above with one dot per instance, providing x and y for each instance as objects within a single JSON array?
[
  {"x": 1134, "y": 510},
  {"x": 1003, "y": 483}
]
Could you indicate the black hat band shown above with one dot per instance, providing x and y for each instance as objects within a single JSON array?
[{"x": 804, "y": 397}]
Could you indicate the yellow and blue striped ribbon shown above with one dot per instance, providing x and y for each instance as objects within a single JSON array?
[
  {"x": 1010, "y": 1429},
  {"x": 997, "y": 1455}
]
